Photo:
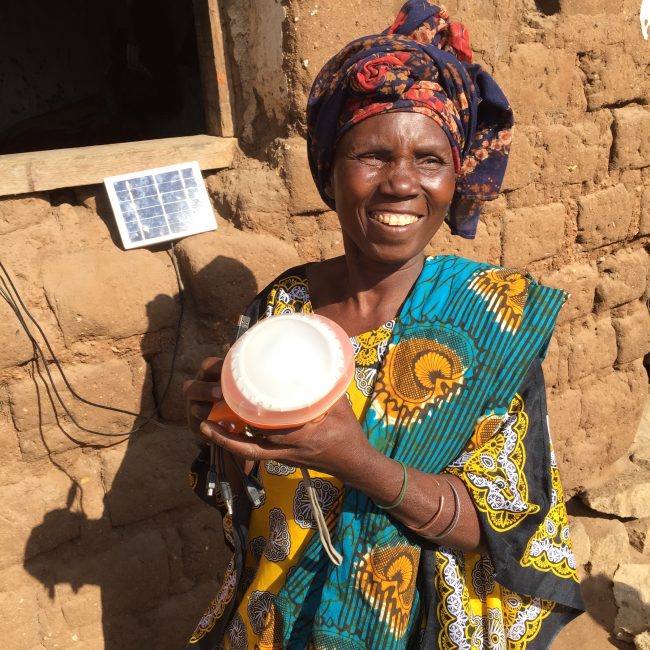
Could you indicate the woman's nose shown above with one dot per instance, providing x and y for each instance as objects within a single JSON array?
[{"x": 400, "y": 179}]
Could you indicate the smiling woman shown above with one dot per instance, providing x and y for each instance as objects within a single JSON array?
[{"x": 435, "y": 473}]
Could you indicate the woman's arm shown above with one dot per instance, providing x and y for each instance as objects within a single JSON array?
[
  {"x": 338, "y": 446},
  {"x": 429, "y": 507}
]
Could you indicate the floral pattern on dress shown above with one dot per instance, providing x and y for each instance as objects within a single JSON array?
[
  {"x": 494, "y": 473},
  {"x": 550, "y": 548}
]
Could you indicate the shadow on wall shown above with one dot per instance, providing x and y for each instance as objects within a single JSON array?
[
  {"x": 155, "y": 552},
  {"x": 601, "y": 611}
]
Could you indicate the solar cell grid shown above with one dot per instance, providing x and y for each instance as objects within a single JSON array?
[{"x": 161, "y": 204}]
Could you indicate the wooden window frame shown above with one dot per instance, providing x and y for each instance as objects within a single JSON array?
[{"x": 39, "y": 171}]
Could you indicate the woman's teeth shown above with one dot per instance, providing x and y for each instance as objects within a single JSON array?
[{"x": 392, "y": 219}]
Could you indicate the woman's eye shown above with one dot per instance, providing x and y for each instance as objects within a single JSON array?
[
  {"x": 370, "y": 158},
  {"x": 430, "y": 161}
]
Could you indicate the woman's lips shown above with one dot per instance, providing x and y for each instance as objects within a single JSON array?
[{"x": 394, "y": 218}]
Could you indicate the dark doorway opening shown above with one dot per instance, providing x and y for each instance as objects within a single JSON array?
[
  {"x": 80, "y": 73},
  {"x": 548, "y": 7}
]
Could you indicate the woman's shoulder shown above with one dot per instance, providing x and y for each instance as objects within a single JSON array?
[
  {"x": 511, "y": 293},
  {"x": 463, "y": 270}
]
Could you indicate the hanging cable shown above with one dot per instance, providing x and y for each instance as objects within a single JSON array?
[{"x": 11, "y": 295}]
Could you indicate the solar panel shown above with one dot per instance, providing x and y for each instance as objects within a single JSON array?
[{"x": 157, "y": 205}]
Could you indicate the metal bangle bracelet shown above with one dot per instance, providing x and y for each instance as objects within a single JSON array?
[
  {"x": 422, "y": 530},
  {"x": 454, "y": 522}
]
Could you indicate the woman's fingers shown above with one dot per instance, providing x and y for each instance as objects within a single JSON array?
[
  {"x": 210, "y": 369},
  {"x": 252, "y": 448},
  {"x": 200, "y": 410},
  {"x": 195, "y": 390}
]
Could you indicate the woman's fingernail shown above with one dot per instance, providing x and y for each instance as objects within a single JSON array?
[
  {"x": 205, "y": 428},
  {"x": 228, "y": 426}
]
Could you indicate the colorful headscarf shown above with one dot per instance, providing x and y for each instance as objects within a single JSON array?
[{"x": 421, "y": 63}]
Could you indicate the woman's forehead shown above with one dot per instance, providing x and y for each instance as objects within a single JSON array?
[{"x": 393, "y": 128}]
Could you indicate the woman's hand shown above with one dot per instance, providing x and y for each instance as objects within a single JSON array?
[
  {"x": 334, "y": 444},
  {"x": 201, "y": 393}
]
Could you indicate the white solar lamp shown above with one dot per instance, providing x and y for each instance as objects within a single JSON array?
[{"x": 285, "y": 371}]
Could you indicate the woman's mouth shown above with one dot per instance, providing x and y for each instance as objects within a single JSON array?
[{"x": 394, "y": 218}]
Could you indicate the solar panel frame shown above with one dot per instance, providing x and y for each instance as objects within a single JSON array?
[{"x": 160, "y": 204}]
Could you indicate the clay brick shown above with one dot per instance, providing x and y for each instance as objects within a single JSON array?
[
  {"x": 604, "y": 217},
  {"x": 252, "y": 197},
  {"x": 532, "y": 234},
  {"x": 304, "y": 196},
  {"x": 610, "y": 403},
  {"x": 128, "y": 302},
  {"x": 585, "y": 35},
  {"x": 141, "y": 582},
  {"x": 17, "y": 628},
  {"x": 564, "y": 413},
  {"x": 148, "y": 476},
  {"x": 626, "y": 495},
  {"x": 551, "y": 362},
  {"x": 16, "y": 348},
  {"x": 622, "y": 277},
  {"x": 200, "y": 533},
  {"x": 536, "y": 79},
  {"x": 608, "y": 543},
  {"x": 564, "y": 419},
  {"x": 10, "y": 457},
  {"x": 114, "y": 383},
  {"x": 331, "y": 244},
  {"x": 579, "y": 280},
  {"x": 521, "y": 169},
  {"x": 85, "y": 469},
  {"x": 644, "y": 225},
  {"x": 172, "y": 623},
  {"x": 225, "y": 269},
  {"x": 187, "y": 364},
  {"x": 612, "y": 76},
  {"x": 632, "y": 333},
  {"x": 22, "y": 212},
  {"x": 324, "y": 28},
  {"x": 83, "y": 229},
  {"x": 593, "y": 347},
  {"x": 574, "y": 154},
  {"x": 631, "y": 148},
  {"x": 632, "y": 594},
  {"x": 485, "y": 247},
  {"x": 33, "y": 525}
]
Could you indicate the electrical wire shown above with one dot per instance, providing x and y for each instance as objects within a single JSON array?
[{"x": 11, "y": 295}]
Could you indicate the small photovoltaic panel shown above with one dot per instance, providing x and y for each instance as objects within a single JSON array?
[{"x": 157, "y": 205}]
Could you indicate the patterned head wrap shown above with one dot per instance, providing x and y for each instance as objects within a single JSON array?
[{"x": 421, "y": 63}]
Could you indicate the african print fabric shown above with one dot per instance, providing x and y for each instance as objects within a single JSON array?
[{"x": 411, "y": 594}]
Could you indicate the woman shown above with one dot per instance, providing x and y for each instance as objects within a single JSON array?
[{"x": 436, "y": 472}]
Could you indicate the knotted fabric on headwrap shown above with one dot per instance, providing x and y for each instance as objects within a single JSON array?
[{"x": 421, "y": 63}]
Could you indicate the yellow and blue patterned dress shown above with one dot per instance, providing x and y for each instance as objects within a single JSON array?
[{"x": 466, "y": 600}]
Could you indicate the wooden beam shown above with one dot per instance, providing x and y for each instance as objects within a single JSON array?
[
  {"x": 216, "y": 79},
  {"x": 48, "y": 170}
]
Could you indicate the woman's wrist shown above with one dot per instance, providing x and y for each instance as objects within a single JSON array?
[
  {"x": 437, "y": 507},
  {"x": 379, "y": 477}
]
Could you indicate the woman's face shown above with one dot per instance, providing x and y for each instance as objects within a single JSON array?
[{"x": 393, "y": 180}]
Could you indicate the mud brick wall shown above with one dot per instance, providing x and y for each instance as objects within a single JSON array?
[{"x": 102, "y": 545}]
